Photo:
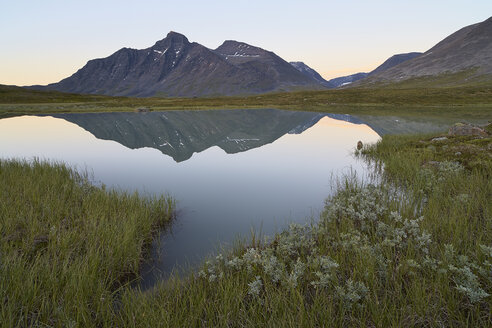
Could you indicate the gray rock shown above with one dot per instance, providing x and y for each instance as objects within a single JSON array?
[
  {"x": 431, "y": 148},
  {"x": 466, "y": 129}
]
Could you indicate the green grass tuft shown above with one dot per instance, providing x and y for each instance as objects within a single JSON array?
[{"x": 67, "y": 248}]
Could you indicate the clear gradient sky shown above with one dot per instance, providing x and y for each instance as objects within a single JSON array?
[{"x": 45, "y": 41}]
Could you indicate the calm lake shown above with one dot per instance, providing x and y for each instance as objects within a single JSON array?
[{"x": 230, "y": 171}]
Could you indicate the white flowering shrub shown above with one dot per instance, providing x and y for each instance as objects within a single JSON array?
[
  {"x": 374, "y": 224},
  {"x": 432, "y": 177},
  {"x": 352, "y": 293},
  {"x": 255, "y": 287},
  {"x": 324, "y": 270},
  {"x": 296, "y": 273},
  {"x": 466, "y": 274},
  {"x": 467, "y": 283},
  {"x": 364, "y": 206},
  {"x": 357, "y": 225},
  {"x": 446, "y": 169},
  {"x": 487, "y": 251},
  {"x": 403, "y": 232},
  {"x": 234, "y": 264},
  {"x": 295, "y": 241},
  {"x": 252, "y": 257},
  {"x": 273, "y": 267},
  {"x": 485, "y": 269}
]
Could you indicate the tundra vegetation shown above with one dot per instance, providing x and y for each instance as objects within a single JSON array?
[
  {"x": 67, "y": 248},
  {"x": 413, "y": 249},
  {"x": 472, "y": 102}
]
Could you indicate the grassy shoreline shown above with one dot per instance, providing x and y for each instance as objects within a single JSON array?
[
  {"x": 415, "y": 250},
  {"x": 67, "y": 248},
  {"x": 474, "y": 102},
  {"x": 418, "y": 255}
]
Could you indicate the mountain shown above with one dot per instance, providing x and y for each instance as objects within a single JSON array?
[
  {"x": 261, "y": 70},
  {"x": 388, "y": 63},
  {"x": 462, "y": 57},
  {"x": 308, "y": 71},
  {"x": 345, "y": 80},
  {"x": 175, "y": 67},
  {"x": 466, "y": 54},
  {"x": 393, "y": 61}
]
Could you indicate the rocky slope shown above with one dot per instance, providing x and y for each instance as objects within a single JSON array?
[
  {"x": 467, "y": 51},
  {"x": 388, "y": 63},
  {"x": 393, "y": 61},
  {"x": 308, "y": 71}
]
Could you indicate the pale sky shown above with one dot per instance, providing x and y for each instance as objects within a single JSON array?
[{"x": 45, "y": 41}]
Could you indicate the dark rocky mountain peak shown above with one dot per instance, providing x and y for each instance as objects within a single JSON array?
[
  {"x": 175, "y": 67},
  {"x": 236, "y": 52},
  {"x": 175, "y": 35},
  {"x": 173, "y": 39},
  {"x": 236, "y": 48}
]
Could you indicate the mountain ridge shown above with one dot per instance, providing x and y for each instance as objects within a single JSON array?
[
  {"x": 468, "y": 50},
  {"x": 387, "y": 64},
  {"x": 176, "y": 67},
  {"x": 305, "y": 69}
]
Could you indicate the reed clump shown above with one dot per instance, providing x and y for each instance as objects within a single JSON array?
[{"x": 68, "y": 248}]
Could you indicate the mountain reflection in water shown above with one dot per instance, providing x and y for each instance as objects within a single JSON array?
[{"x": 179, "y": 134}]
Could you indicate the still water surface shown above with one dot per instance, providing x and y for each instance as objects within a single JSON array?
[{"x": 229, "y": 171}]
